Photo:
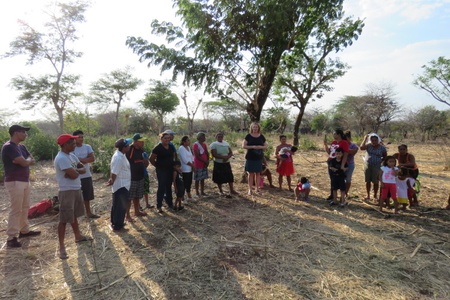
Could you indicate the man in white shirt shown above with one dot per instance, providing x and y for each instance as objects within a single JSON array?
[{"x": 120, "y": 180}]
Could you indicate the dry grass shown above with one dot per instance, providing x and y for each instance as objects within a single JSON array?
[{"x": 267, "y": 247}]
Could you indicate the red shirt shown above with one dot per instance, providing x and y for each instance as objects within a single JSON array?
[{"x": 334, "y": 145}]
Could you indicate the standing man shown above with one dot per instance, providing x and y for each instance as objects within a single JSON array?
[
  {"x": 137, "y": 165},
  {"x": 86, "y": 156},
  {"x": 120, "y": 180},
  {"x": 16, "y": 162},
  {"x": 68, "y": 169}
]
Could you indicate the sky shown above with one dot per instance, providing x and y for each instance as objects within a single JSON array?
[{"x": 399, "y": 37}]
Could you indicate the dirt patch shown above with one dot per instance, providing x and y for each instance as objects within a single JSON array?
[{"x": 262, "y": 247}]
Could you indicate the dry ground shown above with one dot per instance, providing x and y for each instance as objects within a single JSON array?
[{"x": 267, "y": 247}]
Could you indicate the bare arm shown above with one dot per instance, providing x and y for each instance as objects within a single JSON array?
[
  {"x": 111, "y": 180},
  {"x": 363, "y": 145},
  {"x": 153, "y": 159},
  {"x": 89, "y": 159},
  {"x": 20, "y": 160}
]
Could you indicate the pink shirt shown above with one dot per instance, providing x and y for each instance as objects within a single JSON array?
[{"x": 197, "y": 163}]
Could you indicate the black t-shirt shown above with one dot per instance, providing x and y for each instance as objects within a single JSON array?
[
  {"x": 333, "y": 163},
  {"x": 255, "y": 154},
  {"x": 164, "y": 157},
  {"x": 137, "y": 166}
]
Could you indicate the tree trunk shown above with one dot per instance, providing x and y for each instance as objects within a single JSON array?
[
  {"x": 61, "y": 120},
  {"x": 298, "y": 121},
  {"x": 254, "y": 108}
]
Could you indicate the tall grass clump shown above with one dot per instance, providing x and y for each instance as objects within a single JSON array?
[{"x": 306, "y": 143}]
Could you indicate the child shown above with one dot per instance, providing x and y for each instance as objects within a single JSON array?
[
  {"x": 412, "y": 193},
  {"x": 178, "y": 185},
  {"x": 387, "y": 179},
  {"x": 402, "y": 187},
  {"x": 338, "y": 177},
  {"x": 265, "y": 172},
  {"x": 285, "y": 165},
  {"x": 302, "y": 190}
]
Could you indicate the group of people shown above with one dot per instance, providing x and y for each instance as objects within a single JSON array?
[
  {"x": 391, "y": 177},
  {"x": 179, "y": 168}
]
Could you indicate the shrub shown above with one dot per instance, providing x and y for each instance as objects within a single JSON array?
[
  {"x": 42, "y": 146},
  {"x": 306, "y": 143}
]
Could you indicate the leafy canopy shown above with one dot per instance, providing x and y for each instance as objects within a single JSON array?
[{"x": 231, "y": 47}]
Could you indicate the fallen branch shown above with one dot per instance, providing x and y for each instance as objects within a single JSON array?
[
  {"x": 173, "y": 235},
  {"x": 415, "y": 250},
  {"x": 114, "y": 282},
  {"x": 442, "y": 252}
]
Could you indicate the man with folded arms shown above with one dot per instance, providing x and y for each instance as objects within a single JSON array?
[
  {"x": 68, "y": 169},
  {"x": 16, "y": 162}
]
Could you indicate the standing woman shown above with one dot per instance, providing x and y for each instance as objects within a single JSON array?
[
  {"x": 222, "y": 172},
  {"x": 339, "y": 141},
  {"x": 255, "y": 143},
  {"x": 352, "y": 150},
  {"x": 162, "y": 159},
  {"x": 201, "y": 163},
  {"x": 376, "y": 153},
  {"x": 187, "y": 165}
]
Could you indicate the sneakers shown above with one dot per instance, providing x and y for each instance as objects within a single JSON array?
[
  {"x": 14, "y": 243},
  {"x": 29, "y": 233}
]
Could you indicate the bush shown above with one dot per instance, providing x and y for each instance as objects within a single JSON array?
[
  {"x": 42, "y": 146},
  {"x": 103, "y": 147},
  {"x": 306, "y": 144}
]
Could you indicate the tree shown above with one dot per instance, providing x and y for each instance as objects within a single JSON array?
[
  {"x": 190, "y": 113},
  {"x": 436, "y": 79},
  {"x": 113, "y": 88},
  {"x": 234, "y": 46},
  {"x": 430, "y": 120},
  {"x": 161, "y": 100},
  {"x": 307, "y": 71},
  {"x": 55, "y": 46}
]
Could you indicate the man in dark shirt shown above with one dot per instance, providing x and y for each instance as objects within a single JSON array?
[
  {"x": 137, "y": 165},
  {"x": 16, "y": 162}
]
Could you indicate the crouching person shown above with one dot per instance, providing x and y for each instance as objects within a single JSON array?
[
  {"x": 68, "y": 168},
  {"x": 120, "y": 180}
]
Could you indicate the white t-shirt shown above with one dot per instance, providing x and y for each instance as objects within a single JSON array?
[
  {"x": 83, "y": 152},
  {"x": 388, "y": 175},
  {"x": 64, "y": 161},
  {"x": 185, "y": 156},
  {"x": 121, "y": 167}
]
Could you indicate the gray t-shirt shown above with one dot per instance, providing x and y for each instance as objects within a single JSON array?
[
  {"x": 63, "y": 162},
  {"x": 83, "y": 152}
]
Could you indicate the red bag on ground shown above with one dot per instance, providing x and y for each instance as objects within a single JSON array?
[{"x": 39, "y": 208}]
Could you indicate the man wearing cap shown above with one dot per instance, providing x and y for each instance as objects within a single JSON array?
[
  {"x": 120, "y": 180},
  {"x": 68, "y": 169},
  {"x": 16, "y": 162},
  {"x": 138, "y": 164},
  {"x": 86, "y": 156}
]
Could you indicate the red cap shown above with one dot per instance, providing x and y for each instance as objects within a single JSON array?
[{"x": 64, "y": 138}]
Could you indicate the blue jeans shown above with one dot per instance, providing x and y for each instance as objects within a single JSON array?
[
  {"x": 164, "y": 187},
  {"x": 119, "y": 208}
]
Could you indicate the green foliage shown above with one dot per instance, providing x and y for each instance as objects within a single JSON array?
[
  {"x": 435, "y": 79},
  {"x": 241, "y": 43},
  {"x": 268, "y": 152},
  {"x": 54, "y": 45},
  {"x": 42, "y": 146},
  {"x": 160, "y": 99},
  {"x": 103, "y": 147},
  {"x": 112, "y": 88},
  {"x": 306, "y": 144}
]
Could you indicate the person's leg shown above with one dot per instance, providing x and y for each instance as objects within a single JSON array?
[
  {"x": 202, "y": 187},
  {"x": 257, "y": 178},
  {"x": 26, "y": 189},
  {"x": 368, "y": 184},
  {"x": 76, "y": 230},
  {"x": 129, "y": 218},
  {"x": 118, "y": 208},
  {"x": 231, "y": 185},
  {"x": 16, "y": 194},
  {"x": 137, "y": 208},
  {"x": 280, "y": 181},
  {"x": 219, "y": 185},
  {"x": 376, "y": 187},
  {"x": 289, "y": 182},
  {"x": 61, "y": 235},
  {"x": 296, "y": 193},
  {"x": 197, "y": 186},
  {"x": 187, "y": 180},
  {"x": 250, "y": 182},
  {"x": 168, "y": 187}
]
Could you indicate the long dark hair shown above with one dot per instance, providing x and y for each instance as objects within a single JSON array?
[{"x": 184, "y": 139}]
